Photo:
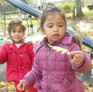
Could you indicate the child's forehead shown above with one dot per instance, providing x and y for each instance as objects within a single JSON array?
[
  {"x": 16, "y": 26},
  {"x": 54, "y": 15}
]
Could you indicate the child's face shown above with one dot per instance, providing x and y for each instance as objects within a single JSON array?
[
  {"x": 54, "y": 27},
  {"x": 17, "y": 34}
]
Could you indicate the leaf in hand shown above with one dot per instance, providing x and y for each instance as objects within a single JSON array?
[{"x": 57, "y": 48}]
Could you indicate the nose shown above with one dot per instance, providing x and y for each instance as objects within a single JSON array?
[
  {"x": 55, "y": 28},
  {"x": 17, "y": 33}
]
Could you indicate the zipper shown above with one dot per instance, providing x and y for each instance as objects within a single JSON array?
[{"x": 48, "y": 70}]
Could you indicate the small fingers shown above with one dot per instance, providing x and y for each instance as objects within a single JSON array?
[
  {"x": 18, "y": 87},
  {"x": 76, "y": 61},
  {"x": 77, "y": 57},
  {"x": 74, "y": 53},
  {"x": 21, "y": 86}
]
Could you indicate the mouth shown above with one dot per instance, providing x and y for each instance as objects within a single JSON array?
[
  {"x": 56, "y": 35},
  {"x": 17, "y": 37}
]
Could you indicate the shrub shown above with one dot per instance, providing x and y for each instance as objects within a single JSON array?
[
  {"x": 90, "y": 7},
  {"x": 68, "y": 7}
]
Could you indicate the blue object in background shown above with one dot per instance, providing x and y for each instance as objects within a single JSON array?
[{"x": 25, "y": 7}]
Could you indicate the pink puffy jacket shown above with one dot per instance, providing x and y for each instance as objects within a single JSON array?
[{"x": 53, "y": 71}]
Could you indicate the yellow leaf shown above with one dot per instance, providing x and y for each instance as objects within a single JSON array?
[
  {"x": 64, "y": 51},
  {"x": 10, "y": 86},
  {"x": 2, "y": 83},
  {"x": 57, "y": 48}
]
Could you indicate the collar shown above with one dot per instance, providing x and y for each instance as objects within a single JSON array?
[
  {"x": 26, "y": 40},
  {"x": 67, "y": 39}
]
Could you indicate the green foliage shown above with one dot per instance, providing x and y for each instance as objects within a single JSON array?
[
  {"x": 11, "y": 90},
  {"x": 60, "y": 6},
  {"x": 68, "y": 7},
  {"x": 90, "y": 7},
  {"x": 88, "y": 14},
  {"x": 10, "y": 8},
  {"x": 1, "y": 6}
]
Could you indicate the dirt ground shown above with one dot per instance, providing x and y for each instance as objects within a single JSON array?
[{"x": 81, "y": 25}]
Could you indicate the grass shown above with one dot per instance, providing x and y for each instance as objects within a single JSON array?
[
  {"x": 11, "y": 90},
  {"x": 8, "y": 21},
  {"x": 87, "y": 14}
]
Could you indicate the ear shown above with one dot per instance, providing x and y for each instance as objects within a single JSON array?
[
  {"x": 24, "y": 33},
  {"x": 9, "y": 33},
  {"x": 42, "y": 30}
]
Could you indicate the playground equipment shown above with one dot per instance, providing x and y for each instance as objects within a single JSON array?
[
  {"x": 3, "y": 24},
  {"x": 20, "y": 11},
  {"x": 26, "y": 8},
  {"x": 21, "y": 5}
]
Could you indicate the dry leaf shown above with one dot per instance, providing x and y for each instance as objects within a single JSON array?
[{"x": 57, "y": 48}]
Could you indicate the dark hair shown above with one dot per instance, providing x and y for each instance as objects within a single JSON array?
[
  {"x": 16, "y": 21},
  {"x": 50, "y": 9}
]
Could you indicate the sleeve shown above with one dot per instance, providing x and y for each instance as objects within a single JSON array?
[
  {"x": 86, "y": 64},
  {"x": 3, "y": 55},
  {"x": 32, "y": 54},
  {"x": 32, "y": 76}
]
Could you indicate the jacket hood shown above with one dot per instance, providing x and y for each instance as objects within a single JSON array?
[{"x": 27, "y": 40}]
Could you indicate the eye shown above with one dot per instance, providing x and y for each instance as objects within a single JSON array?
[
  {"x": 60, "y": 25},
  {"x": 20, "y": 31},
  {"x": 13, "y": 31},
  {"x": 50, "y": 26}
]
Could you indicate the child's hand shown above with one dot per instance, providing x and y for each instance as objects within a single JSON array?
[
  {"x": 21, "y": 86},
  {"x": 77, "y": 57}
]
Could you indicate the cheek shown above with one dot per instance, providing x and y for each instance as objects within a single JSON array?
[
  {"x": 62, "y": 31},
  {"x": 11, "y": 35},
  {"x": 48, "y": 33}
]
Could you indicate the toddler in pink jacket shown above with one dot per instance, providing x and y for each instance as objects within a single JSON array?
[{"x": 55, "y": 71}]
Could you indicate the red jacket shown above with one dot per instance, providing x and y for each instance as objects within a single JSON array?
[{"x": 19, "y": 60}]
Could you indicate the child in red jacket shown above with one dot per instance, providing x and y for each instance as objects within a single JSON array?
[{"x": 18, "y": 53}]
